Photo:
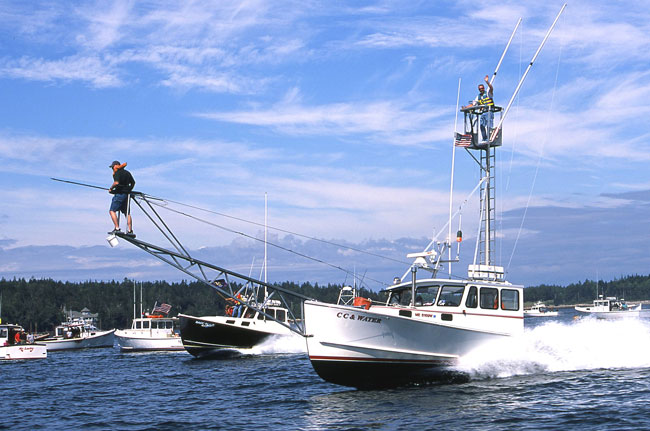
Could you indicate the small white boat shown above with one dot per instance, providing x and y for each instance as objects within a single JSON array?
[
  {"x": 150, "y": 333},
  {"x": 610, "y": 308},
  {"x": 79, "y": 332},
  {"x": 539, "y": 309},
  {"x": 10, "y": 349}
]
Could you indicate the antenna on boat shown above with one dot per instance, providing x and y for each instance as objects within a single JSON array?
[
  {"x": 266, "y": 215},
  {"x": 134, "y": 299},
  {"x": 497, "y": 129},
  {"x": 451, "y": 187}
]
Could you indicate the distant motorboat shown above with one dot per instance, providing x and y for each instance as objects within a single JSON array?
[
  {"x": 539, "y": 309},
  {"x": 152, "y": 332},
  {"x": 611, "y": 308},
  {"x": 10, "y": 349}
]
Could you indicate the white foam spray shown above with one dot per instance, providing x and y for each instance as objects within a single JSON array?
[
  {"x": 564, "y": 346},
  {"x": 277, "y": 345}
]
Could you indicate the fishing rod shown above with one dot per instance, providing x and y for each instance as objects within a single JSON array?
[{"x": 496, "y": 130}]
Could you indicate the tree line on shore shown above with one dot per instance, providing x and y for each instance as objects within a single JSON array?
[{"x": 39, "y": 304}]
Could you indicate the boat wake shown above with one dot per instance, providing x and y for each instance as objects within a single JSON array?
[
  {"x": 277, "y": 345},
  {"x": 560, "y": 346}
]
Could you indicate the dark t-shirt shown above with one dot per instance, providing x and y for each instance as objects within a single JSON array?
[{"x": 125, "y": 181}]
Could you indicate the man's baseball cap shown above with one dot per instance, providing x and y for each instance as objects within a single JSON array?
[{"x": 115, "y": 162}]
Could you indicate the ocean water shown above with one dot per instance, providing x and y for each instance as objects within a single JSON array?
[{"x": 561, "y": 374}]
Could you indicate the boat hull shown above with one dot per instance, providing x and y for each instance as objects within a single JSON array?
[
  {"x": 366, "y": 349},
  {"x": 23, "y": 351},
  {"x": 544, "y": 314},
  {"x": 208, "y": 335},
  {"x": 131, "y": 341},
  {"x": 92, "y": 340},
  {"x": 610, "y": 314}
]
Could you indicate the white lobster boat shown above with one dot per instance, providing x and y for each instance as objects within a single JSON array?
[
  {"x": 426, "y": 323},
  {"x": 79, "y": 332},
  {"x": 149, "y": 333},
  {"x": 539, "y": 309},
  {"x": 10, "y": 350},
  {"x": 610, "y": 308}
]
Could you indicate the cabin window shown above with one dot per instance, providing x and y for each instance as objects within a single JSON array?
[
  {"x": 3, "y": 333},
  {"x": 260, "y": 316},
  {"x": 509, "y": 299},
  {"x": 145, "y": 324},
  {"x": 472, "y": 298},
  {"x": 403, "y": 297},
  {"x": 426, "y": 295},
  {"x": 450, "y": 296},
  {"x": 281, "y": 315},
  {"x": 489, "y": 298},
  {"x": 170, "y": 324},
  {"x": 138, "y": 325}
]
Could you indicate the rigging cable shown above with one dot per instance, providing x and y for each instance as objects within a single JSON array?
[
  {"x": 240, "y": 219},
  {"x": 541, "y": 152},
  {"x": 287, "y": 231},
  {"x": 261, "y": 240}
]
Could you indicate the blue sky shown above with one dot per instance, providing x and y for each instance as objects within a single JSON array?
[{"x": 343, "y": 112}]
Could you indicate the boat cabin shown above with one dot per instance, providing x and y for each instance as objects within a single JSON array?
[
  {"x": 447, "y": 293},
  {"x": 8, "y": 334},
  {"x": 76, "y": 329},
  {"x": 611, "y": 303},
  {"x": 155, "y": 322}
]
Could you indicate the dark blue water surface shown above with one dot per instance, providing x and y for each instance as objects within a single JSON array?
[{"x": 564, "y": 373}]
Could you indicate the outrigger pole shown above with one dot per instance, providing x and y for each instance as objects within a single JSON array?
[
  {"x": 494, "y": 75},
  {"x": 496, "y": 130},
  {"x": 184, "y": 262}
]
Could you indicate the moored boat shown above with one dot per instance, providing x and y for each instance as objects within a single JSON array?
[
  {"x": 152, "y": 332},
  {"x": 13, "y": 346},
  {"x": 79, "y": 332},
  {"x": 539, "y": 309}
]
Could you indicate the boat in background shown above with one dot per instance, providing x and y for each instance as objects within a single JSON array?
[
  {"x": 10, "y": 349},
  {"x": 610, "y": 308},
  {"x": 154, "y": 331},
  {"x": 79, "y": 332},
  {"x": 242, "y": 327},
  {"x": 150, "y": 333},
  {"x": 539, "y": 309},
  {"x": 207, "y": 336}
]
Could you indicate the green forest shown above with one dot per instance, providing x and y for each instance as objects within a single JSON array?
[{"x": 38, "y": 305}]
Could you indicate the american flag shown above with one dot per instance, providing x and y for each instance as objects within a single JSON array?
[
  {"x": 463, "y": 140},
  {"x": 162, "y": 308}
]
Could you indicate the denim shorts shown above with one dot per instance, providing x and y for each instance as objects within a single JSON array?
[{"x": 119, "y": 202}]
